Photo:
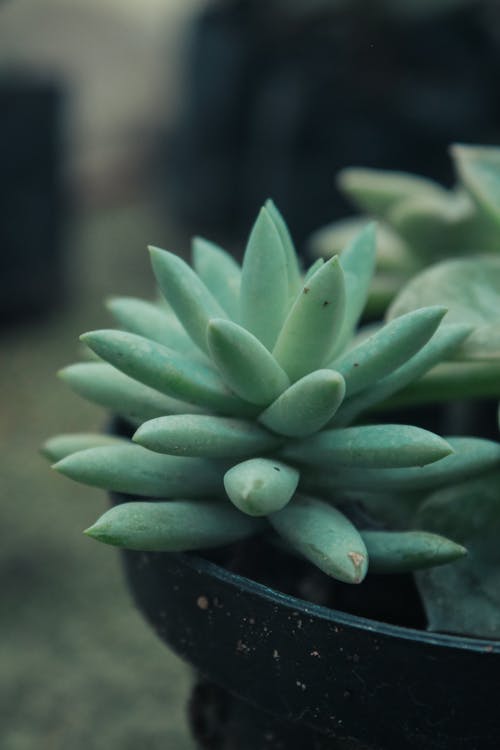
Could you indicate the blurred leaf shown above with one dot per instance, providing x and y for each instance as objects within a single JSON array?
[
  {"x": 377, "y": 191},
  {"x": 479, "y": 170},
  {"x": 470, "y": 289},
  {"x": 465, "y": 597}
]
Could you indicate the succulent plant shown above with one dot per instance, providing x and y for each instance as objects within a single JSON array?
[
  {"x": 420, "y": 222},
  {"x": 245, "y": 391}
]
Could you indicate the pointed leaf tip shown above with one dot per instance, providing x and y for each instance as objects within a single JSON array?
[{"x": 313, "y": 323}]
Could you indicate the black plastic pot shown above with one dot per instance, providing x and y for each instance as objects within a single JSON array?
[{"x": 310, "y": 676}]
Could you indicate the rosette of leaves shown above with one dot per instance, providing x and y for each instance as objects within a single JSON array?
[
  {"x": 420, "y": 222},
  {"x": 245, "y": 393}
]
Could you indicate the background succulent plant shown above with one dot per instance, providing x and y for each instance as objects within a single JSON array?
[
  {"x": 246, "y": 390},
  {"x": 421, "y": 222}
]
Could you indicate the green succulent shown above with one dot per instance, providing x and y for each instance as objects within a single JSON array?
[
  {"x": 244, "y": 394},
  {"x": 420, "y": 222}
]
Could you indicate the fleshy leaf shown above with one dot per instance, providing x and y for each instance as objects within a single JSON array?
[
  {"x": 104, "y": 385},
  {"x": 451, "y": 381},
  {"x": 319, "y": 308},
  {"x": 388, "y": 348},
  {"x": 264, "y": 296},
  {"x": 376, "y": 191},
  {"x": 205, "y": 435},
  {"x": 371, "y": 446},
  {"x": 175, "y": 526},
  {"x": 261, "y": 486},
  {"x": 405, "y": 551},
  {"x": 470, "y": 289},
  {"x": 442, "y": 345},
  {"x": 479, "y": 170},
  {"x": 307, "y": 405},
  {"x": 245, "y": 364},
  {"x": 436, "y": 226},
  {"x": 190, "y": 299},
  {"x": 60, "y": 446},
  {"x": 323, "y": 535},
  {"x": 313, "y": 268},
  {"x": 471, "y": 457},
  {"x": 151, "y": 321},
  {"x": 137, "y": 471},
  {"x": 392, "y": 252},
  {"x": 358, "y": 263},
  {"x": 293, "y": 270},
  {"x": 465, "y": 597},
  {"x": 164, "y": 370},
  {"x": 220, "y": 273}
]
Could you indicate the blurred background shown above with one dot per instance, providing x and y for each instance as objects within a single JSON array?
[{"x": 123, "y": 124}]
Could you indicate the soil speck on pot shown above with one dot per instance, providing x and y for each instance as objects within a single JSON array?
[
  {"x": 242, "y": 648},
  {"x": 202, "y": 602},
  {"x": 276, "y": 654},
  {"x": 316, "y": 654}
]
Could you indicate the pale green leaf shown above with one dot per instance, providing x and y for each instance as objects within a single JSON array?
[
  {"x": 175, "y": 526},
  {"x": 134, "y": 470},
  {"x": 358, "y": 264},
  {"x": 470, "y": 289},
  {"x": 261, "y": 486},
  {"x": 479, "y": 170},
  {"x": 451, "y": 381},
  {"x": 405, "y": 551},
  {"x": 388, "y": 348},
  {"x": 440, "y": 347},
  {"x": 471, "y": 457},
  {"x": 292, "y": 260},
  {"x": 166, "y": 371},
  {"x": 314, "y": 322},
  {"x": 307, "y": 405},
  {"x": 313, "y": 268},
  {"x": 245, "y": 364},
  {"x": 264, "y": 295},
  {"x": 393, "y": 254},
  {"x": 125, "y": 397},
  {"x": 369, "y": 446},
  {"x": 190, "y": 299},
  {"x": 60, "y": 446},
  {"x": 323, "y": 535},
  {"x": 376, "y": 191},
  {"x": 205, "y": 435},
  {"x": 151, "y": 321},
  {"x": 220, "y": 273}
]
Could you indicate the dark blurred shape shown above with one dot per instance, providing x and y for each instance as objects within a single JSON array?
[
  {"x": 277, "y": 102},
  {"x": 30, "y": 196}
]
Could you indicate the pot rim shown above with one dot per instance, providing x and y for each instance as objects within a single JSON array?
[{"x": 321, "y": 612}]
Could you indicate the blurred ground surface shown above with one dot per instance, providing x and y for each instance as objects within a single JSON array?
[{"x": 80, "y": 670}]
